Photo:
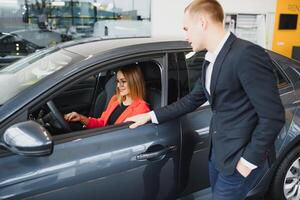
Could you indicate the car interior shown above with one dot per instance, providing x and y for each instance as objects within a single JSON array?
[{"x": 91, "y": 96}]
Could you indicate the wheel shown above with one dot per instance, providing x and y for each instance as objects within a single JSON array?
[
  {"x": 58, "y": 116},
  {"x": 286, "y": 183}
]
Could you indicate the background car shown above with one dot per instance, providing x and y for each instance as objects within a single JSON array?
[
  {"x": 43, "y": 38},
  {"x": 43, "y": 157},
  {"x": 21, "y": 43},
  {"x": 13, "y": 48}
]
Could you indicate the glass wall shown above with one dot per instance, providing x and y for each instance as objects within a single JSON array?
[{"x": 28, "y": 25}]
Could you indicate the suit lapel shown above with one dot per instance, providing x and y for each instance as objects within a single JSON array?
[{"x": 218, "y": 64}]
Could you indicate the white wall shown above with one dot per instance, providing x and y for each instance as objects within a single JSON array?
[
  {"x": 167, "y": 15},
  {"x": 244, "y": 6}
]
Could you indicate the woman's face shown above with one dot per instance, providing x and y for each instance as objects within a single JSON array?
[{"x": 122, "y": 84}]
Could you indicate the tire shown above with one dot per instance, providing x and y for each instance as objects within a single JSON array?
[{"x": 288, "y": 177}]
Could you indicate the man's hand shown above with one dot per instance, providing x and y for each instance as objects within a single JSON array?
[
  {"x": 139, "y": 120},
  {"x": 243, "y": 169}
]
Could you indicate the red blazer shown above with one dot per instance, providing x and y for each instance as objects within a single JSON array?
[{"x": 138, "y": 106}]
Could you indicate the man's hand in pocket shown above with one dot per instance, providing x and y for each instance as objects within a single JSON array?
[{"x": 243, "y": 169}]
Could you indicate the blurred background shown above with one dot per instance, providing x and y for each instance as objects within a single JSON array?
[{"x": 29, "y": 25}]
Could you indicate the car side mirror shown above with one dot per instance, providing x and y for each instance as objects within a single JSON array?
[{"x": 28, "y": 138}]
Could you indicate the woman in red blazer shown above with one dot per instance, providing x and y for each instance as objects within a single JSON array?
[{"x": 128, "y": 101}]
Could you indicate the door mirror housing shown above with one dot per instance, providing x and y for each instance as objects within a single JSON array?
[{"x": 28, "y": 138}]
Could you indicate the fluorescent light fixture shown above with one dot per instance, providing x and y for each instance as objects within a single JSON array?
[
  {"x": 96, "y": 4},
  {"x": 58, "y": 3}
]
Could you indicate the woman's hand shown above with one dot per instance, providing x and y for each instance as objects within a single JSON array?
[
  {"x": 72, "y": 117},
  {"x": 75, "y": 117}
]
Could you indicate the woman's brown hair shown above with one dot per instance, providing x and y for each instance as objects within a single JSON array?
[{"x": 135, "y": 82}]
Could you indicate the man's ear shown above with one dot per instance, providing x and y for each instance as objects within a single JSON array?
[{"x": 204, "y": 23}]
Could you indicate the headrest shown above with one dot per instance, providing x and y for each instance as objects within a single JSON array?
[{"x": 151, "y": 70}]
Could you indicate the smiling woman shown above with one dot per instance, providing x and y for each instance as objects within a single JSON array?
[{"x": 128, "y": 101}]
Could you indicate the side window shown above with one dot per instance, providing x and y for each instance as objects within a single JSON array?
[
  {"x": 8, "y": 40},
  {"x": 194, "y": 61},
  {"x": 291, "y": 68},
  {"x": 190, "y": 69},
  {"x": 90, "y": 96},
  {"x": 287, "y": 70},
  {"x": 280, "y": 78},
  {"x": 173, "y": 88},
  {"x": 152, "y": 77}
]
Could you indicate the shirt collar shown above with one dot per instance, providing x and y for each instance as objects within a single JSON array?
[{"x": 211, "y": 56}]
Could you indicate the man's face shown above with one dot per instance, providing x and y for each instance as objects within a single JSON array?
[{"x": 194, "y": 32}]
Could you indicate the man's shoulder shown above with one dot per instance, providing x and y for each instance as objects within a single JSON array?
[{"x": 242, "y": 44}]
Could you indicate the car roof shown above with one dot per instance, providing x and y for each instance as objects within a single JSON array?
[{"x": 94, "y": 46}]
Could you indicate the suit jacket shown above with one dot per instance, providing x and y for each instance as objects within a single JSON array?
[
  {"x": 137, "y": 107},
  {"x": 247, "y": 110}
]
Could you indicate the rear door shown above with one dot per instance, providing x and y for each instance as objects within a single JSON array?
[{"x": 194, "y": 125}]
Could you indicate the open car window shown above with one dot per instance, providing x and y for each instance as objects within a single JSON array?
[{"x": 91, "y": 95}]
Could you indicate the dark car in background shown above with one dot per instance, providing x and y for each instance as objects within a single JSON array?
[
  {"x": 43, "y": 38},
  {"x": 18, "y": 44},
  {"x": 43, "y": 157},
  {"x": 13, "y": 48}
]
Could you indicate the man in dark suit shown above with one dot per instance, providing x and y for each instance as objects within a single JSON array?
[{"x": 239, "y": 84}]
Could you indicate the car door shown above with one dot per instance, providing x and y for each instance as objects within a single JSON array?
[
  {"x": 194, "y": 125},
  {"x": 287, "y": 80},
  {"x": 100, "y": 164},
  {"x": 113, "y": 162}
]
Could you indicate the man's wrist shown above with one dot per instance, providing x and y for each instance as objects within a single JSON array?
[{"x": 153, "y": 117}]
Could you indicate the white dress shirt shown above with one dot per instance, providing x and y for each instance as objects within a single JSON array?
[{"x": 211, "y": 57}]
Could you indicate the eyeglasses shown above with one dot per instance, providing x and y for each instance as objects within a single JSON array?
[{"x": 121, "y": 82}]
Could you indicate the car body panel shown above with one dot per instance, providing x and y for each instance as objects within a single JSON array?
[{"x": 94, "y": 165}]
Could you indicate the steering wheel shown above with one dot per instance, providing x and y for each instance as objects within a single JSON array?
[{"x": 58, "y": 116}]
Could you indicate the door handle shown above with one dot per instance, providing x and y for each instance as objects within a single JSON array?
[
  {"x": 155, "y": 154},
  {"x": 203, "y": 132}
]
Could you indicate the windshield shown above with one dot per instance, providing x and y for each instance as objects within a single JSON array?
[{"x": 28, "y": 71}]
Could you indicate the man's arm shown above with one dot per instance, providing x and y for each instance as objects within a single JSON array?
[
  {"x": 185, "y": 105},
  {"x": 257, "y": 79}
]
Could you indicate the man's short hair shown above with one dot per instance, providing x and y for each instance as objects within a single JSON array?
[{"x": 211, "y": 7}]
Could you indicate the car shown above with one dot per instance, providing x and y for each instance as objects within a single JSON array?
[
  {"x": 18, "y": 44},
  {"x": 14, "y": 47},
  {"x": 44, "y": 157},
  {"x": 43, "y": 38}
]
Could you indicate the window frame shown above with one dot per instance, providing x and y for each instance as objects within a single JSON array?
[
  {"x": 158, "y": 58},
  {"x": 290, "y": 86}
]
